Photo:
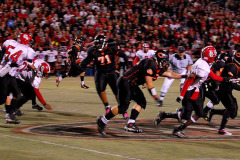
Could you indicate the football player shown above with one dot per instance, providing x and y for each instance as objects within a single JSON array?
[
  {"x": 72, "y": 59},
  {"x": 103, "y": 54},
  {"x": 144, "y": 53},
  {"x": 145, "y": 71},
  {"x": 225, "y": 95},
  {"x": 28, "y": 82},
  {"x": 16, "y": 54},
  {"x": 210, "y": 86},
  {"x": 191, "y": 95}
]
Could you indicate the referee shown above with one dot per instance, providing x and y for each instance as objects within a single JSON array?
[{"x": 180, "y": 63}]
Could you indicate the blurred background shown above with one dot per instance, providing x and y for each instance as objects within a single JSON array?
[{"x": 164, "y": 24}]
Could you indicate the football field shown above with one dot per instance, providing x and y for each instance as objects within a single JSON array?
[{"x": 69, "y": 132}]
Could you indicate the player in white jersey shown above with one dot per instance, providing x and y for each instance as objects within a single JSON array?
[
  {"x": 29, "y": 83},
  {"x": 191, "y": 94},
  {"x": 16, "y": 54},
  {"x": 143, "y": 54},
  {"x": 179, "y": 63}
]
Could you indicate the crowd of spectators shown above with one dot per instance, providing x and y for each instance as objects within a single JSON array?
[{"x": 163, "y": 23}]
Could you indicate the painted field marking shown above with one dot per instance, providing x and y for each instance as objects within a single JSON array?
[{"x": 68, "y": 146}]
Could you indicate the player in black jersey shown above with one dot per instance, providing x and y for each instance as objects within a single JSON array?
[
  {"x": 210, "y": 86},
  {"x": 231, "y": 70},
  {"x": 144, "y": 72},
  {"x": 72, "y": 58},
  {"x": 103, "y": 54}
]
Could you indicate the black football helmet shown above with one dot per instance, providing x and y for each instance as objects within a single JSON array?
[
  {"x": 162, "y": 58},
  {"x": 80, "y": 41},
  {"x": 236, "y": 57},
  {"x": 100, "y": 42},
  {"x": 225, "y": 57}
]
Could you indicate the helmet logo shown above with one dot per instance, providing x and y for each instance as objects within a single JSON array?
[
  {"x": 211, "y": 54},
  {"x": 26, "y": 36},
  {"x": 160, "y": 55},
  {"x": 42, "y": 68},
  {"x": 237, "y": 54}
]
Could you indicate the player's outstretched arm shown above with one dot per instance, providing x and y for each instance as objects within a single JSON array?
[
  {"x": 151, "y": 89},
  {"x": 135, "y": 61},
  {"x": 40, "y": 98},
  {"x": 187, "y": 83},
  {"x": 173, "y": 75}
]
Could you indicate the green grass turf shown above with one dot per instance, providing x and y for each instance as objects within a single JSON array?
[{"x": 71, "y": 103}]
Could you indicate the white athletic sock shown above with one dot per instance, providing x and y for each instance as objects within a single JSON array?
[
  {"x": 210, "y": 104},
  {"x": 82, "y": 82},
  {"x": 105, "y": 121},
  {"x": 161, "y": 98},
  {"x": 60, "y": 78},
  {"x": 131, "y": 121}
]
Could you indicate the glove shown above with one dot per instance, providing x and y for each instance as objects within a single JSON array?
[
  {"x": 37, "y": 73},
  {"x": 48, "y": 107},
  {"x": 179, "y": 99}
]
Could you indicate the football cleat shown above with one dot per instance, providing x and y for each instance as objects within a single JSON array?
[
  {"x": 159, "y": 118},
  {"x": 57, "y": 81},
  {"x": 18, "y": 112},
  {"x": 101, "y": 126},
  {"x": 84, "y": 86},
  {"x": 11, "y": 119},
  {"x": 125, "y": 116},
  {"x": 36, "y": 106},
  {"x": 178, "y": 133},
  {"x": 160, "y": 103},
  {"x": 131, "y": 127},
  {"x": 224, "y": 132}
]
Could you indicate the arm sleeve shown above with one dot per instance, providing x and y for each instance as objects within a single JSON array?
[
  {"x": 187, "y": 83},
  {"x": 4, "y": 70},
  {"x": 215, "y": 77},
  {"x": 39, "y": 96},
  {"x": 135, "y": 61}
]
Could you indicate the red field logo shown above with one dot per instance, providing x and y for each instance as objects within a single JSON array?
[{"x": 88, "y": 130}]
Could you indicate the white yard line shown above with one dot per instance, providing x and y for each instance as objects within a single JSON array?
[{"x": 68, "y": 146}]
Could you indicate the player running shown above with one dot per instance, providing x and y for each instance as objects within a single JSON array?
[
  {"x": 191, "y": 95},
  {"x": 144, "y": 72},
  {"x": 72, "y": 59},
  {"x": 103, "y": 54}
]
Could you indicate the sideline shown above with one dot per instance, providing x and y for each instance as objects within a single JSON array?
[{"x": 67, "y": 146}]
